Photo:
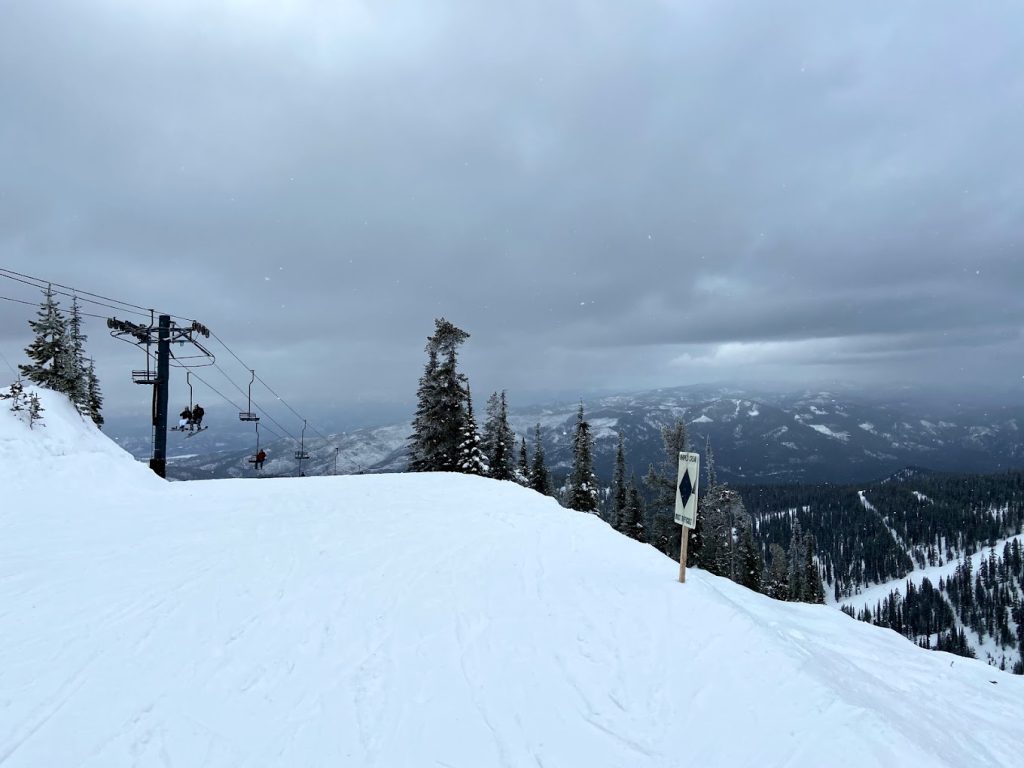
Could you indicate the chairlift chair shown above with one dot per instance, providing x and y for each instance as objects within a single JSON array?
[
  {"x": 248, "y": 415},
  {"x": 190, "y": 427},
  {"x": 301, "y": 454},
  {"x": 139, "y": 376},
  {"x": 253, "y": 460}
]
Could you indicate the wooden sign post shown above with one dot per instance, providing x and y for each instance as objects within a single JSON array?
[
  {"x": 682, "y": 555},
  {"x": 686, "y": 503}
]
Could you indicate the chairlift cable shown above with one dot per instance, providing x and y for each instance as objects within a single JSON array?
[
  {"x": 73, "y": 293},
  {"x": 36, "y": 304},
  {"x": 269, "y": 389},
  {"x": 76, "y": 290},
  {"x": 2, "y": 355},
  {"x": 90, "y": 297},
  {"x": 125, "y": 306},
  {"x": 254, "y": 404},
  {"x": 229, "y": 402},
  {"x": 297, "y": 414}
]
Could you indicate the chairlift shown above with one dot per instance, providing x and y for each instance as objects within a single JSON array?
[
  {"x": 139, "y": 376},
  {"x": 248, "y": 415},
  {"x": 301, "y": 454},
  {"x": 144, "y": 376},
  {"x": 190, "y": 426},
  {"x": 255, "y": 460}
]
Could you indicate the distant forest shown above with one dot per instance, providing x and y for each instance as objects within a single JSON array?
[{"x": 880, "y": 533}]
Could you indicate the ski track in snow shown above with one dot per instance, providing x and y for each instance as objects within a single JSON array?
[{"x": 409, "y": 620}]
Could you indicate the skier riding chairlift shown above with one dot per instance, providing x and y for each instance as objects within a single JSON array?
[{"x": 197, "y": 417}]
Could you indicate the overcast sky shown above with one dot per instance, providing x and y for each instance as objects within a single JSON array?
[{"x": 606, "y": 195}]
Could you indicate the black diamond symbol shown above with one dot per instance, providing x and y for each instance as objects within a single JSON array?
[{"x": 685, "y": 488}]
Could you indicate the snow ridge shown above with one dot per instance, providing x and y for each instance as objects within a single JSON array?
[{"x": 426, "y": 619}]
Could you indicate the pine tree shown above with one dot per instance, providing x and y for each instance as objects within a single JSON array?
[
  {"x": 471, "y": 458},
  {"x": 47, "y": 351},
  {"x": 439, "y": 424},
  {"x": 705, "y": 504},
  {"x": 582, "y": 492},
  {"x": 95, "y": 396},
  {"x": 812, "y": 590},
  {"x": 631, "y": 522},
  {"x": 719, "y": 510},
  {"x": 35, "y": 410},
  {"x": 16, "y": 395},
  {"x": 709, "y": 462},
  {"x": 523, "y": 467},
  {"x": 73, "y": 367},
  {"x": 540, "y": 480},
  {"x": 498, "y": 441},
  {"x": 796, "y": 562},
  {"x": 423, "y": 439},
  {"x": 619, "y": 491},
  {"x": 488, "y": 436},
  {"x": 662, "y": 531},
  {"x": 775, "y": 582},
  {"x": 748, "y": 556}
]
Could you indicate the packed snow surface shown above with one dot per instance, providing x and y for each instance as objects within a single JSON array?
[{"x": 421, "y": 620}]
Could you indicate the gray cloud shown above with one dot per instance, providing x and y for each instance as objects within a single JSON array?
[{"x": 604, "y": 195}]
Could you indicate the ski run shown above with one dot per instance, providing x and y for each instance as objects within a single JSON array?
[{"x": 421, "y": 620}]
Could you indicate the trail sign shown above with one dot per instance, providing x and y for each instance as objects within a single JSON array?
[{"x": 686, "y": 489}]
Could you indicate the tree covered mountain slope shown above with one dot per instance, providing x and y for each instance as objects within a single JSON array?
[
  {"x": 936, "y": 557},
  {"x": 758, "y": 437},
  {"x": 431, "y": 619}
]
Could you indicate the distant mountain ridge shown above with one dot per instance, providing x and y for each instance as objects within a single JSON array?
[{"x": 807, "y": 437}]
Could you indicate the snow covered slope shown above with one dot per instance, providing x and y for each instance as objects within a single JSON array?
[{"x": 421, "y": 620}]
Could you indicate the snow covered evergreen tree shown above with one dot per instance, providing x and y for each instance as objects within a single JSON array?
[
  {"x": 662, "y": 531},
  {"x": 775, "y": 581},
  {"x": 813, "y": 591},
  {"x": 95, "y": 401},
  {"x": 716, "y": 508},
  {"x": 47, "y": 351},
  {"x": 523, "y": 466},
  {"x": 748, "y": 556},
  {"x": 423, "y": 441},
  {"x": 619, "y": 491},
  {"x": 471, "y": 458},
  {"x": 498, "y": 441},
  {"x": 709, "y": 463},
  {"x": 582, "y": 490},
  {"x": 797, "y": 572},
  {"x": 709, "y": 496},
  {"x": 631, "y": 522},
  {"x": 540, "y": 480},
  {"x": 439, "y": 423},
  {"x": 35, "y": 411},
  {"x": 73, "y": 366},
  {"x": 16, "y": 395}
]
